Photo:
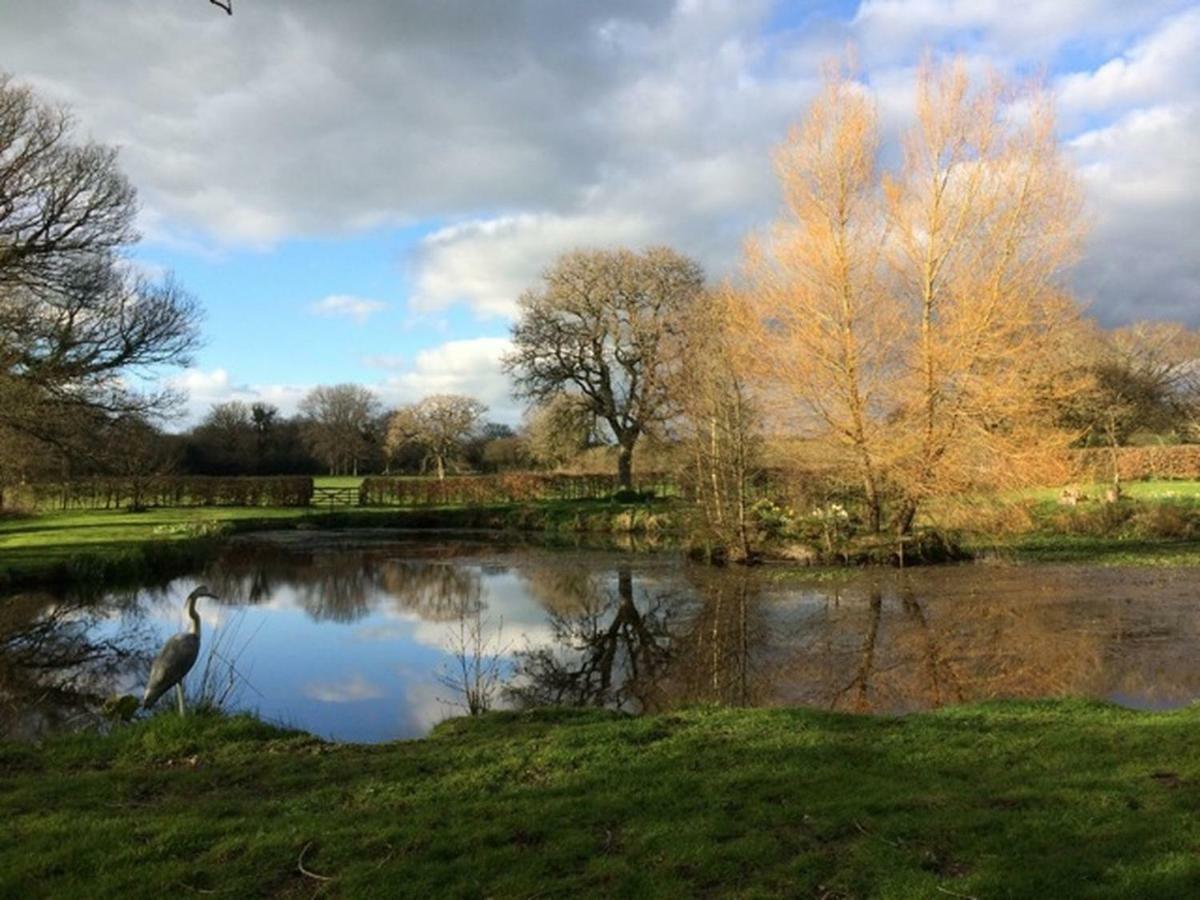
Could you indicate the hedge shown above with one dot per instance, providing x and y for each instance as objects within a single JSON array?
[
  {"x": 1134, "y": 463},
  {"x": 111, "y": 492},
  {"x": 509, "y": 487}
]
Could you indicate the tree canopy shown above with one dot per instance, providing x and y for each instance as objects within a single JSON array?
[
  {"x": 597, "y": 327},
  {"x": 78, "y": 321}
]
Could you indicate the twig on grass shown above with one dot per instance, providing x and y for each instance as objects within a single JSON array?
[{"x": 304, "y": 871}]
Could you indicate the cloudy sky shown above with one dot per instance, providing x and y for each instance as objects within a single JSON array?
[{"x": 359, "y": 190}]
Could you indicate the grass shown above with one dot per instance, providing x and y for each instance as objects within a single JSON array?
[
  {"x": 1017, "y": 799},
  {"x": 103, "y": 545},
  {"x": 337, "y": 481},
  {"x": 106, "y": 544},
  {"x": 1186, "y": 491}
]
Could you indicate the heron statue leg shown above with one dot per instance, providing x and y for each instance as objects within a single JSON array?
[{"x": 179, "y": 697}]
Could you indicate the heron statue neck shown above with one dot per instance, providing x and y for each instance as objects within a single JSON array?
[{"x": 194, "y": 628}]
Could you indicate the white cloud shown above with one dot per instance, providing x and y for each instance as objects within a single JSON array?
[
  {"x": 354, "y": 689},
  {"x": 469, "y": 367},
  {"x": 1142, "y": 259},
  {"x": 1155, "y": 69},
  {"x": 358, "y": 309},
  {"x": 201, "y": 389},
  {"x": 489, "y": 262},
  {"x": 535, "y": 126},
  {"x": 383, "y": 361},
  {"x": 1032, "y": 30}
]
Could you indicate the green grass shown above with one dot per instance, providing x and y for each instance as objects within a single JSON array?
[
  {"x": 337, "y": 481},
  {"x": 98, "y": 545},
  {"x": 1102, "y": 550},
  {"x": 1048, "y": 799},
  {"x": 103, "y": 545},
  {"x": 1182, "y": 491}
]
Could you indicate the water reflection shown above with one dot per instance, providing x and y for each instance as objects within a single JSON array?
[
  {"x": 56, "y": 670},
  {"x": 606, "y": 650},
  {"x": 349, "y": 638}
]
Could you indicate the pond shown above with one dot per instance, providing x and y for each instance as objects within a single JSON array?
[{"x": 370, "y": 637}]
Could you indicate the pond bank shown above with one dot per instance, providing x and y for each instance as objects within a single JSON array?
[
  {"x": 117, "y": 546},
  {"x": 1056, "y": 798},
  {"x": 112, "y": 547}
]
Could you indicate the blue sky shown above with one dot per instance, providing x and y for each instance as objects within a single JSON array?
[{"x": 360, "y": 191}]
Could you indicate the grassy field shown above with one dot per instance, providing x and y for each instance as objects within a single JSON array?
[
  {"x": 104, "y": 544},
  {"x": 1181, "y": 491},
  {"x": 95, "y": 543},
  {"x": 337, "y": 481},
  {"x": 1049, "y": 799}
]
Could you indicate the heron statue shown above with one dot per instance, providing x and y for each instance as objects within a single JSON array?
[{"x": 177, "y": 656}]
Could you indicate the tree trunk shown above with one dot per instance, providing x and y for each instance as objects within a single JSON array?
[
  {"x": 905, "y": 516},
  {"x": 874, "y": 509},
  {"x": 441, "y": 468},
  {"x": 1115, "y": 455},
  {"x": 625, "y": 466}
]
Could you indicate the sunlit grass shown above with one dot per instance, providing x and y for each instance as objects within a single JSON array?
[
  {"x": 337, "y": 481},
  {"x": 92, "y": 544}
]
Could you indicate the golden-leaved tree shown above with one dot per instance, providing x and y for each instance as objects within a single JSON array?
[
  {"x": 817, "y": 326},
  {"x": 919, "y": 317},
  {"x": 718, "y": 422}
]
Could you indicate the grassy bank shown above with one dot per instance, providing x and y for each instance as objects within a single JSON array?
[
  {"x": 108, "y": 545},
  {"x": 1158, "y": 525},
  {"x": 1047, "y": 799}
]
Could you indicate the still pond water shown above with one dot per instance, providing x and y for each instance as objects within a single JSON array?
[{"x": 362, "y": 636}]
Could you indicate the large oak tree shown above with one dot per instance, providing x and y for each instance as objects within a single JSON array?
[{"x": 597, "y": 327}]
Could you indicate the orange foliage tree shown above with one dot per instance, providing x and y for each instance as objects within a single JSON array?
[{"x": 919, "y": 317}]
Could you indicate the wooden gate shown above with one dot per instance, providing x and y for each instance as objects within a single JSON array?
[{"x": 330, "y": 497}]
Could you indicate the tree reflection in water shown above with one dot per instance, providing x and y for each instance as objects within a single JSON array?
[
  {"x": 334, "y": 585},
  {"x": 606, "y": 651},
  {"x": 56, "y": 668},
  {"x": 885, "y": 642},
  {"x": 646, "y": 633}
]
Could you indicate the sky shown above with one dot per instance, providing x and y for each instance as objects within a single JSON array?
[{"x": 360, "y": 190}]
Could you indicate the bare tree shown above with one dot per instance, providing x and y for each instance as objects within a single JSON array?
[
  {"x": 597, "y": 327},
  {"x": 921, "y": 319},
  {"x": 76, "y": 318},
  {"x": 441, "y": 424},
  {"x": 820, "y": 330},
  {"x": 983, "y": 219},
  {"x": 720, "y": 423},
  {"x": 477, "y": 668},
  {"x": 559, "y": 429},
  {"x": 339, "y": 426},
  {"x": 1145, "y": 377}
]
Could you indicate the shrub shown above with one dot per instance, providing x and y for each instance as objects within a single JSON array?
[
  {"x": 111, "y": 492},
  {"x": 1136, "y": 463},
  {"x": 509, "y": 487},
  {"x": 1172, "y": 521}
]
